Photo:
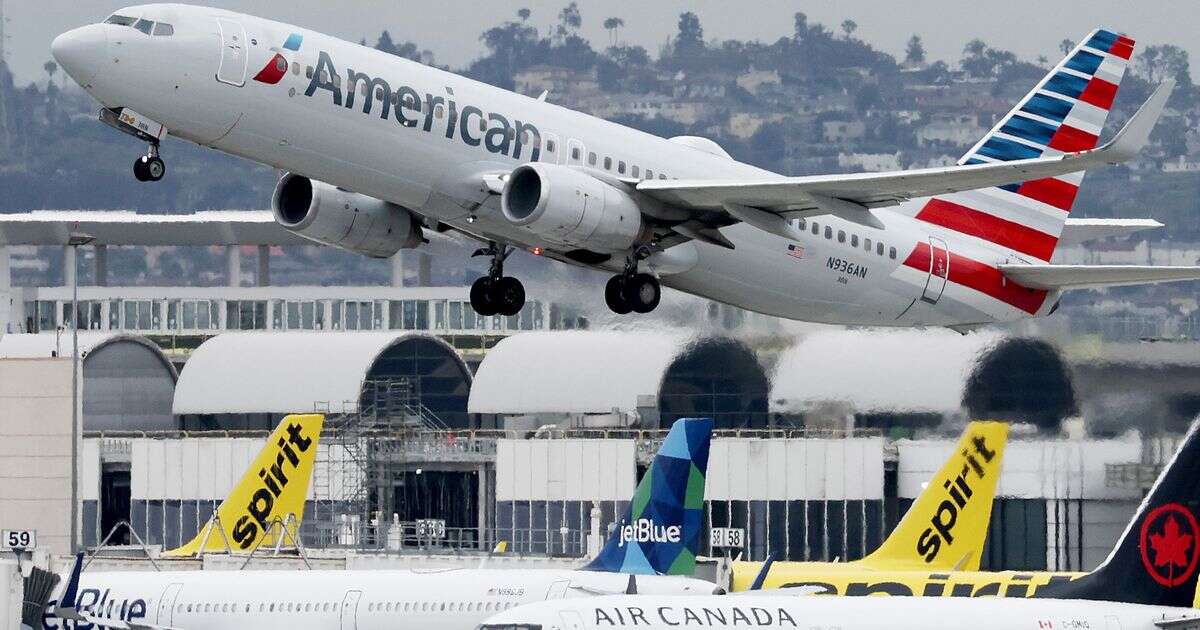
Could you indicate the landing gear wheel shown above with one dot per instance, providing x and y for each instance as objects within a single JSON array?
[
  {"x": 149, "y": 168},
  {"x": 614, "y": 295},
  {"x": 641, "y": 292},
  {"x": 507, "y": 295},
  {"x": 481, "y": 297}
]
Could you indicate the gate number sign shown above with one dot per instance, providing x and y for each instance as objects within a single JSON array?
[
  {"x": 18, "y": 538},
  {"x": 727, "y": 537}
]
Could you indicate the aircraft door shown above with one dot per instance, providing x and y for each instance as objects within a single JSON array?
[
  {"x": 166, "y": 604},
  {"x": 939, "y": 270},
  {"x": 575, "y": 152},
  {"x": 233, "y": 53},
  {"x": 558, "y": 589},
  {"x": 571, "y": 619},
  {"x": 350, "y": 610}
]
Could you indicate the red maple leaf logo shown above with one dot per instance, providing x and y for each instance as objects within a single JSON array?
[
  {"x": 1171, "y": 547},
  {"x": 1174, "y": 553}
]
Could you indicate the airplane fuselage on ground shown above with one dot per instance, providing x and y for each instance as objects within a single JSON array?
[
  {"x": 423, "y": 138},
  {"x": 451, "y": 599},
  {"x": 783, "y": 611}
]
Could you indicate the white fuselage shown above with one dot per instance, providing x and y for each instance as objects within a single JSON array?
[
  {"x": 450, "y": 599},
  {"x": 780, "y": 611},
  {"x": 430, "y": 161}
]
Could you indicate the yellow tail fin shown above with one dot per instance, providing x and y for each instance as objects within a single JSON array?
[
  {"x": 946, "y": 527},
  {"x": 270, "y": 496}
]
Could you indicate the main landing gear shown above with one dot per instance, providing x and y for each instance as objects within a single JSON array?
[
  {"x": 149, "y": 167},
  {"x": 632, "y": 291},
  {"x": 496, "y": 293}
]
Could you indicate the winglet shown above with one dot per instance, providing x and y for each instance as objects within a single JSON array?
[
  {"x": 1134, "y": 136},
  {"x": 762, "y": 573},
  {"x": 66, "y": 603}
]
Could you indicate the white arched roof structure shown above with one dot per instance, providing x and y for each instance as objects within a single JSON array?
[
  {"x": 872, "y": 371},
  {"x": 49, "y": 344},
  {"x": 572, "y": 371},
  {"x": 279, "y": 372}
]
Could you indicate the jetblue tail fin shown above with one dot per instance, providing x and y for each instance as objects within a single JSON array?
[
  {"x": 660, "y": 533},
  {"x": 1155, "y": 560},
  {"x": 1064, "y": 113}
]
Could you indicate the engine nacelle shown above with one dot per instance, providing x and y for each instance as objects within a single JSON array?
[
  {"x": 332, "y": 216},
  {"x": 569, "y": 208}
]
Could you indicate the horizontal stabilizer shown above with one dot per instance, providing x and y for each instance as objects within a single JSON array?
[
  {"x": 1065, "y": 277},
  {"x": 1078, "y": 231},
  {"x": 1178, "y": 624}
]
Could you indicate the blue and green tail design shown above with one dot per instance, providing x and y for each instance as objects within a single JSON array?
[{"x": 660, "y": 533}]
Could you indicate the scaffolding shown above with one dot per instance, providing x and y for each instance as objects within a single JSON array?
[{"x": 367, "y": 447}]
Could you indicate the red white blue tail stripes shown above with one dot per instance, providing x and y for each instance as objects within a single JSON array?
[{"x": 1063, "y": 114}]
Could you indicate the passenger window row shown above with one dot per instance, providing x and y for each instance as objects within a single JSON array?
[
  {"x": 415, "y": 607},
  {"x": 233, "y": 607},
  {"x": 867, "y": 244}
]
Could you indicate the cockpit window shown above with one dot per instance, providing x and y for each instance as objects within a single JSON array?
[
  {"x": 119, "y": 20},
  {"x": 162, "y": 29},
  {"x": 144, "y": 26}
]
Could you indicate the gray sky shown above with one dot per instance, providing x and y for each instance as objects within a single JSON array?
[{"x": 451, "y": 28}]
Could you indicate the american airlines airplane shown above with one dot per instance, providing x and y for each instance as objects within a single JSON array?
[
  {"x": 658, "y": 538},
  {"x": 1148, "y": 582},
  {"x": 379, "y": 149}
]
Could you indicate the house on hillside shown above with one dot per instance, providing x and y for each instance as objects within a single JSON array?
[
  {"x": 534, "y": 80},
  {"x": 953, "y": 129},
  {"x": 840, "y": 131}
]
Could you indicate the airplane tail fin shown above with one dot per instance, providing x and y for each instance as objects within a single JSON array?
[
  {"x": 1064, "y": 113},
  {"x": 946, "y": 527},
  {"x": 660, "y": 532},
  {"x": 267, "y": 504},
  {"x": 1155, "y": 559}
]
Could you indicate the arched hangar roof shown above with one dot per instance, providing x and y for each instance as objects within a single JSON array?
[
  {"x": 572, "y": 371},
  {"x": 879, "y": 371},
  {"x": 128, "y": 383},
  {"x": 282, "y": 372}
]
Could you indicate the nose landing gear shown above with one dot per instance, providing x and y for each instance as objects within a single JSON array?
[
  {"x": 149, "y": 167},
  {"x": 496, "y": 293}
]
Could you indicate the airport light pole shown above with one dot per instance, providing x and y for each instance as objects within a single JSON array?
[{"x": 74, "y": 241}]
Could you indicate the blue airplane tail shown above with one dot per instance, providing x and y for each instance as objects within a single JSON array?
[{"x": 660, "y": 532}]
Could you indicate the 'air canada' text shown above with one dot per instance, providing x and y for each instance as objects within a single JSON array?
[{"x": 469, "y": 124}]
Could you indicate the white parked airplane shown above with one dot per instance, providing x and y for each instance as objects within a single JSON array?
[
  {"x": 1148, "y": 582},
  {"x": 658, "y": 539},
  {"x": 379, "y": 148}
]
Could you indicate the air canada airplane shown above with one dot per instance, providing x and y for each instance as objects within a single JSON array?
[
  {"x": 1148, "y": 582},
  {"x": 379, "y": 149},
  {"x": 944, "y": 531},
  {"x": 658, "y": 538},
  {"x": 1172, "y": 489}
]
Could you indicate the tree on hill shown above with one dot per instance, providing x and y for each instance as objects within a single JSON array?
[
  {"x": 613, "y": 26},
  {"x": 1066, "y": 46},
  {"x": 848, "y": 27},
  {"x": 914, "y": 52}
]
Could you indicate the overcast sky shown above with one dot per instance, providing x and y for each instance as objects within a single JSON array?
[{"x": 451, "y": 28}]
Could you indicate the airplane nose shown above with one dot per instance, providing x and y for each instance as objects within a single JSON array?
[{"x": 82, "y": 52}]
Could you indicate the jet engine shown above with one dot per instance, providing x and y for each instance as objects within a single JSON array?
[
  {"x": 568, "y": 208},
  {"x": 332, "y": 216}
]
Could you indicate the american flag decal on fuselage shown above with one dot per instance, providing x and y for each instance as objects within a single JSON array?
[{"x": 1064, "y": 113}]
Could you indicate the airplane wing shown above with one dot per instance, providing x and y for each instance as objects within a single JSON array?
[
  {"x": 1083, "y": 230},
  {"x": 1178, "y": 624},
  {"x": 1064, "y": 277},
  {"x": 847, "y": 193}
]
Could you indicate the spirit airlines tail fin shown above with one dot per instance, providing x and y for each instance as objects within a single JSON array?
[
  {"x": 947, "y": 525},
  {"x": 1064, "y": 113},
  {"x": 660, "y": 532},
  {"x": 270, "y": 497},
  {"x": 1155, "y": 559}
]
